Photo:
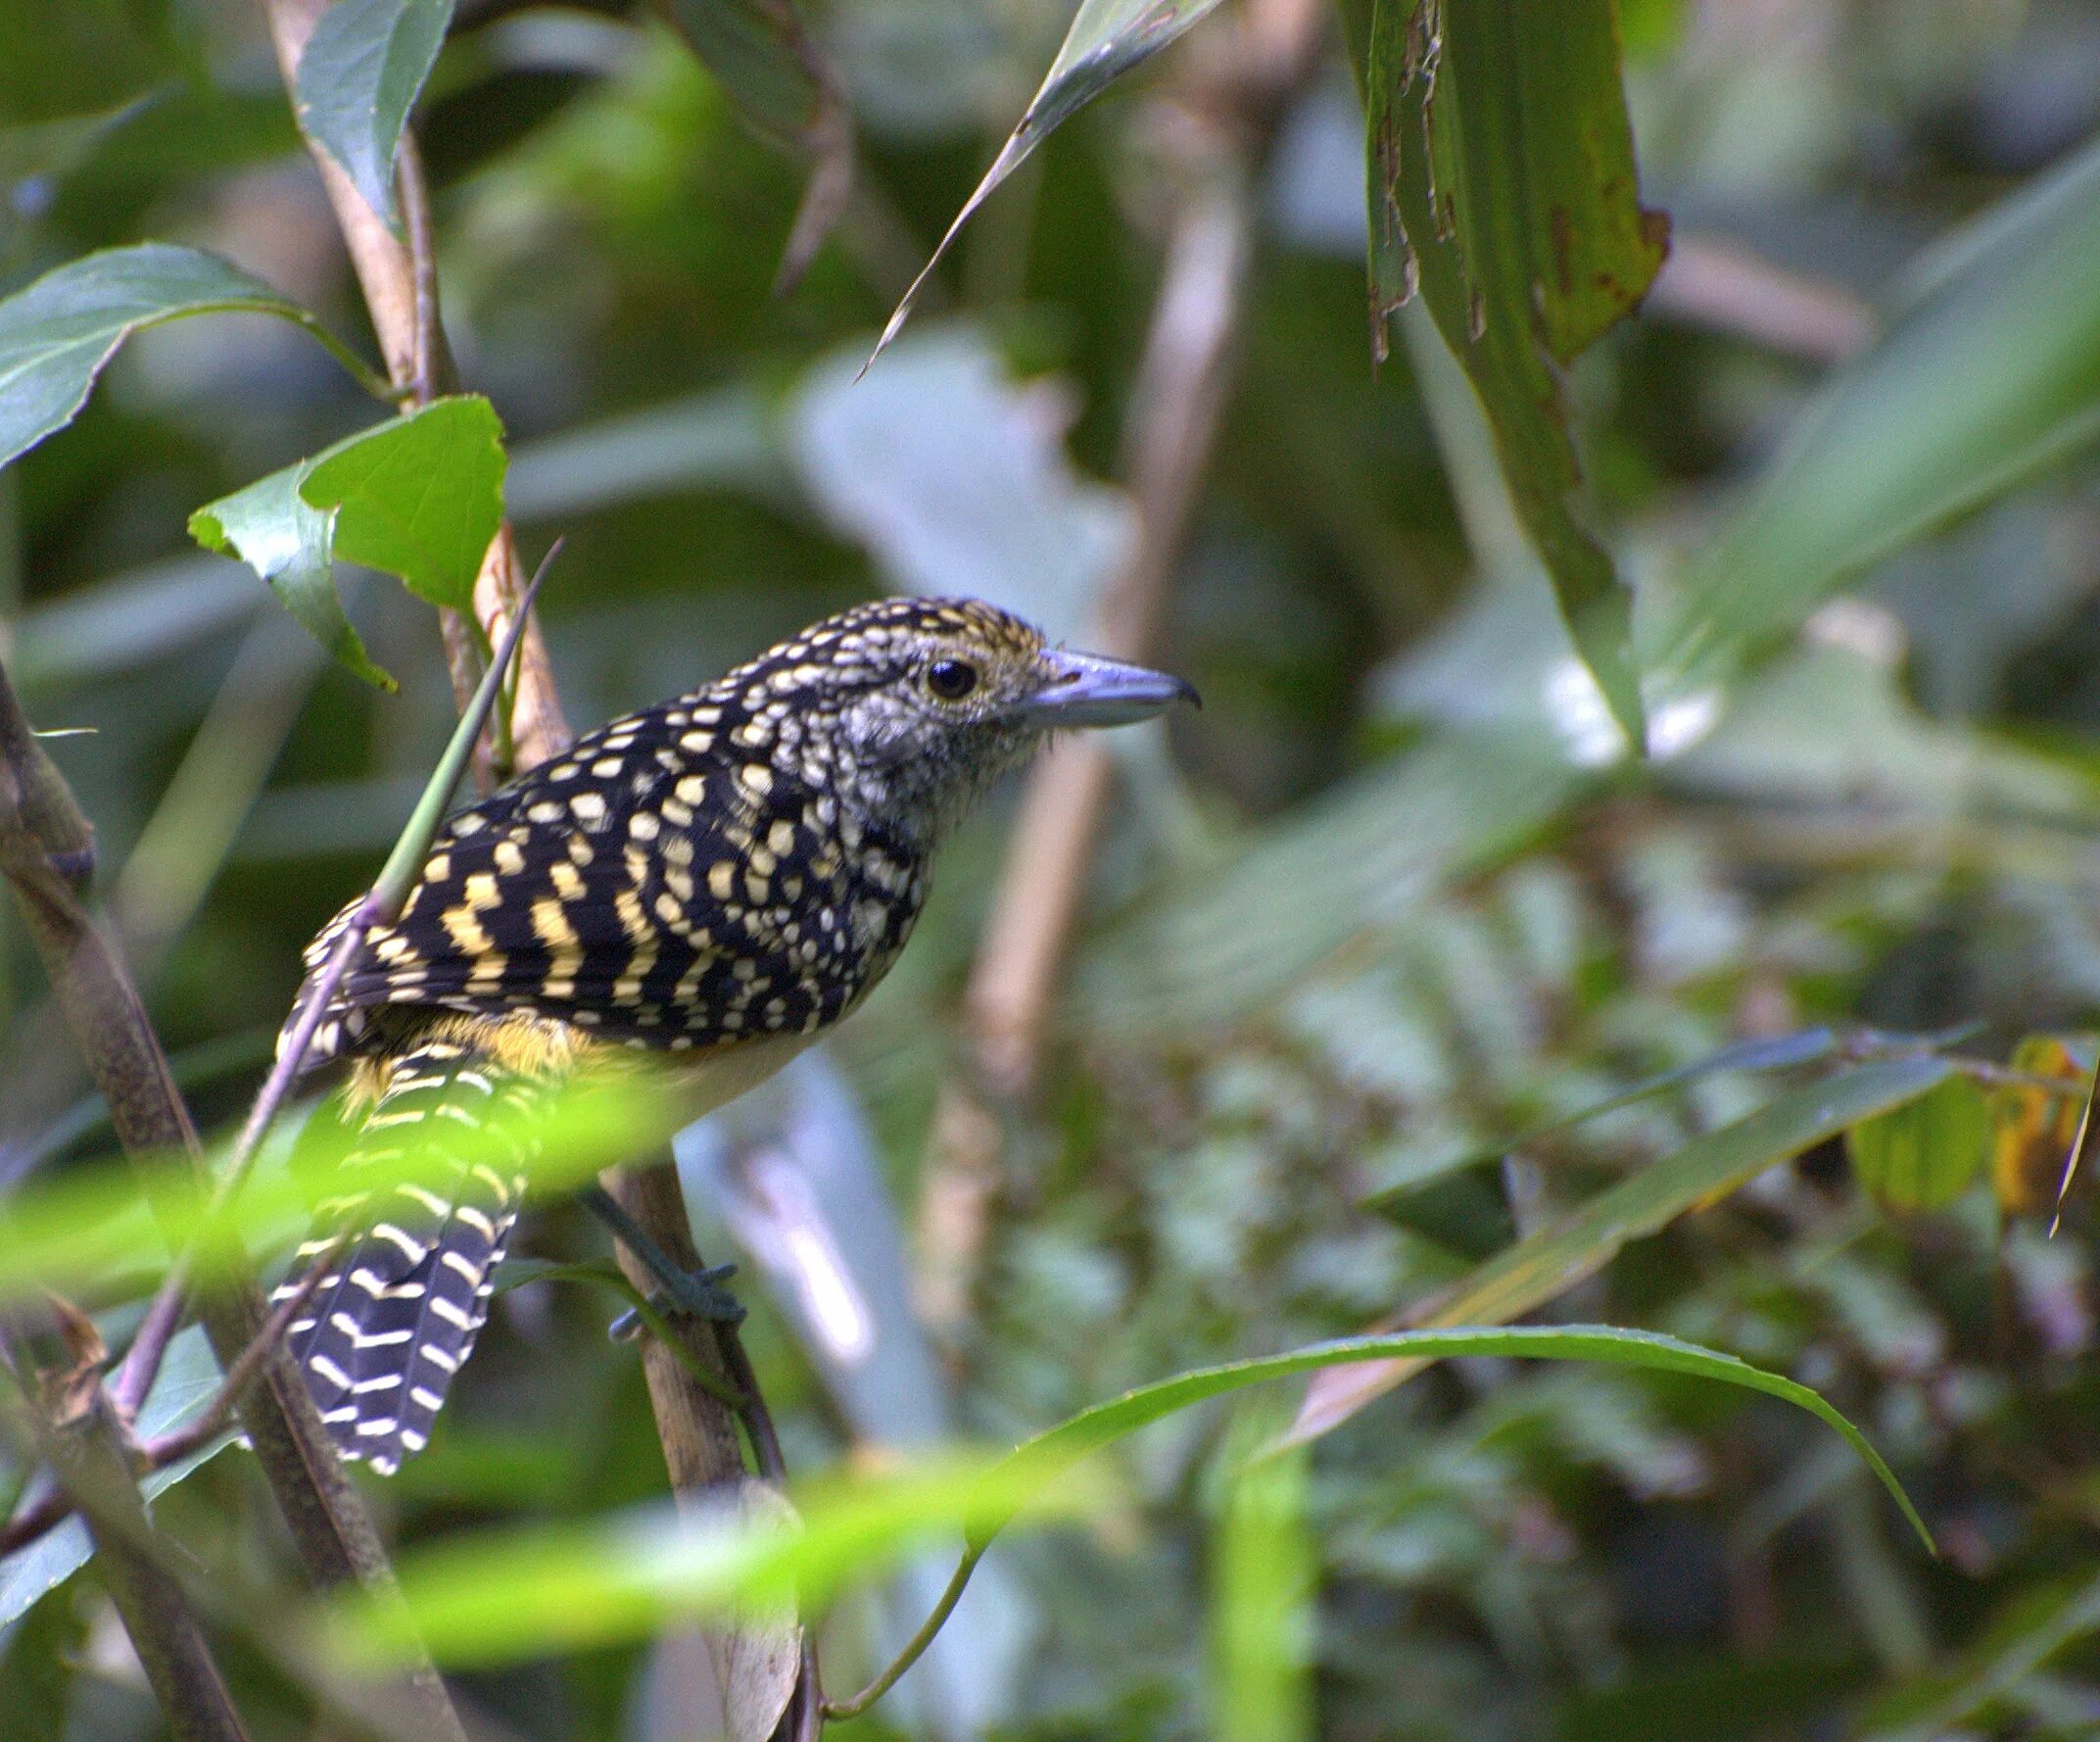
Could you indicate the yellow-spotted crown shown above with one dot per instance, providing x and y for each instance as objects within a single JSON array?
[{"x": 743, "y": 860}]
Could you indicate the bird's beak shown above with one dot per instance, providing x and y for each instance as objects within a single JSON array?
[{"x": 1087, "y": 690}]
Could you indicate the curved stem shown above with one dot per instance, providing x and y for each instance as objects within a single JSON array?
[{"x": 915, "y": 1647}]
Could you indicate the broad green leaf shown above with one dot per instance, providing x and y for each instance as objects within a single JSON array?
[
  {"x": 1988, "y": 373},
  {"x": 188, "y": 1380},
  {"x": 1107, "y": 38},
  {"x": 1923, "y": 1155},
  {"x": 56, "y": 335},
  {"x": 1549, "y": 1262},
  {"x": 1502, "y": 188},
  {"x": 419, "y": 497},
  {"x": 533, "y": 1593},
  {"x": 358, "y": 77},
  {"x": 287, "y": 543}
]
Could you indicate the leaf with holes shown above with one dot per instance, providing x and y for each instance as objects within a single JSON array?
[
  {"x": 1502, "y": 188},
  {"x": 287, "y": 543},
  {"x": 419, "y": 497}
]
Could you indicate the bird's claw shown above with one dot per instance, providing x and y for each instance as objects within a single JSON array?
[{"x": 697, "y": 1294}]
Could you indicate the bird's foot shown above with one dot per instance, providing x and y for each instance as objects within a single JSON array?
[{"x": 694, "y": 1293}]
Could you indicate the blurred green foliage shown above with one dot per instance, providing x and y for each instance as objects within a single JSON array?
[{"x": 1395, "y": 896}]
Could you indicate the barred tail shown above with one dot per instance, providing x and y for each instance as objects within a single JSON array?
[{"x": 397, "y": 1310}]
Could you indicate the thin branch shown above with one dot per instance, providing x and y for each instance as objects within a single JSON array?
[
  {"x": 915, "y": 1647},
  {"x": 45, "y": 848},
  {"x": 382, "y": 905},
  {"x": 88, "y": 1457}
]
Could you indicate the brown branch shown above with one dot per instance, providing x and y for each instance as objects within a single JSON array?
[
  {"x": 398, "y": 279},
  {"x": 1727, "y": 288},
  {"x": 699, "y": 1430},
  {"x": 44, "y": 850},
  {"x": 87, "y": 1456}
]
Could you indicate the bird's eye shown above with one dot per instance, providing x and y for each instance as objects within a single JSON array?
[{"x": 951, "y": 679}]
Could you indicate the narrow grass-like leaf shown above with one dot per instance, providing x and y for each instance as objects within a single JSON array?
[
  {"x": 1549, "y": 1262},
  {"x": 1107, "y": 38},
  {"x": 1988, "y": 372},
  {"x": 1808, "y": 1047},
  {"x": 538, "y": 1592},
  {"x": 358, "y": 77},
  {"x": 57, "y": 334}
]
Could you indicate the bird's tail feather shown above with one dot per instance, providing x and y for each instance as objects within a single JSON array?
[{"x": 409, "y": 1266}]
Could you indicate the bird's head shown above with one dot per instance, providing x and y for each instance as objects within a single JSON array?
[{"x": 916, "y": 705}]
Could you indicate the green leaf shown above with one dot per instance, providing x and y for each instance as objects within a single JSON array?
[
  {"x": 1502, "y": 188},
  {"x": 56, "y": 335},
  {"x": 188, "y": 1380},
  {"x": 1264, "y": 1576},
  {"x": 287, "y": 543},
  {"x": 1107, "y": 38},
  {"x": 1924, "y": 1155},
  {"x": 501, "y": 1597},
  {"x": 1549, "y": 1262},
  {"x": 420, "y": 497},
  {"x": 358, "y": 77},
  {"x": 1988, "y": 373}
]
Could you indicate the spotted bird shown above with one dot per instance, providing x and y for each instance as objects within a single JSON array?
[{"x": 718, "y": 878}]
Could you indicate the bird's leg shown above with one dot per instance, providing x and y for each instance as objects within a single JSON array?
[{"x": 699, "y": 1292}]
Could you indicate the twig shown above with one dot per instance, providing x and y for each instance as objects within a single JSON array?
[
  {"x": 88, "y": 1459},
  {"x": 44, "y": 836},
  {"x": 381, "y": 906},
  {"x": 914, "y": 1647},
  {"x": 403, "y": 301}
]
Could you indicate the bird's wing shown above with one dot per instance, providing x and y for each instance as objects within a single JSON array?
[{"x": 629, "y": 888}]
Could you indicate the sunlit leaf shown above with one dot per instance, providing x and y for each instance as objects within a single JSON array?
[
  {"x": 1923, "y": 1155},
  {"x": 1991, "y": 371},
  {"x": 533, "y": 1593},
  {"x": 358, "y": 77},
  {"x": 1549, "y": 1262},
  {"x": 289, "y": 544},
  {"x": 419, "y": 496},
  {"x": 1265, "y": 1569},
  {"x": 56, "y": 335},
  {"x": 1502, "y": 188},
  {"x": 1107, "y": 38}
]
